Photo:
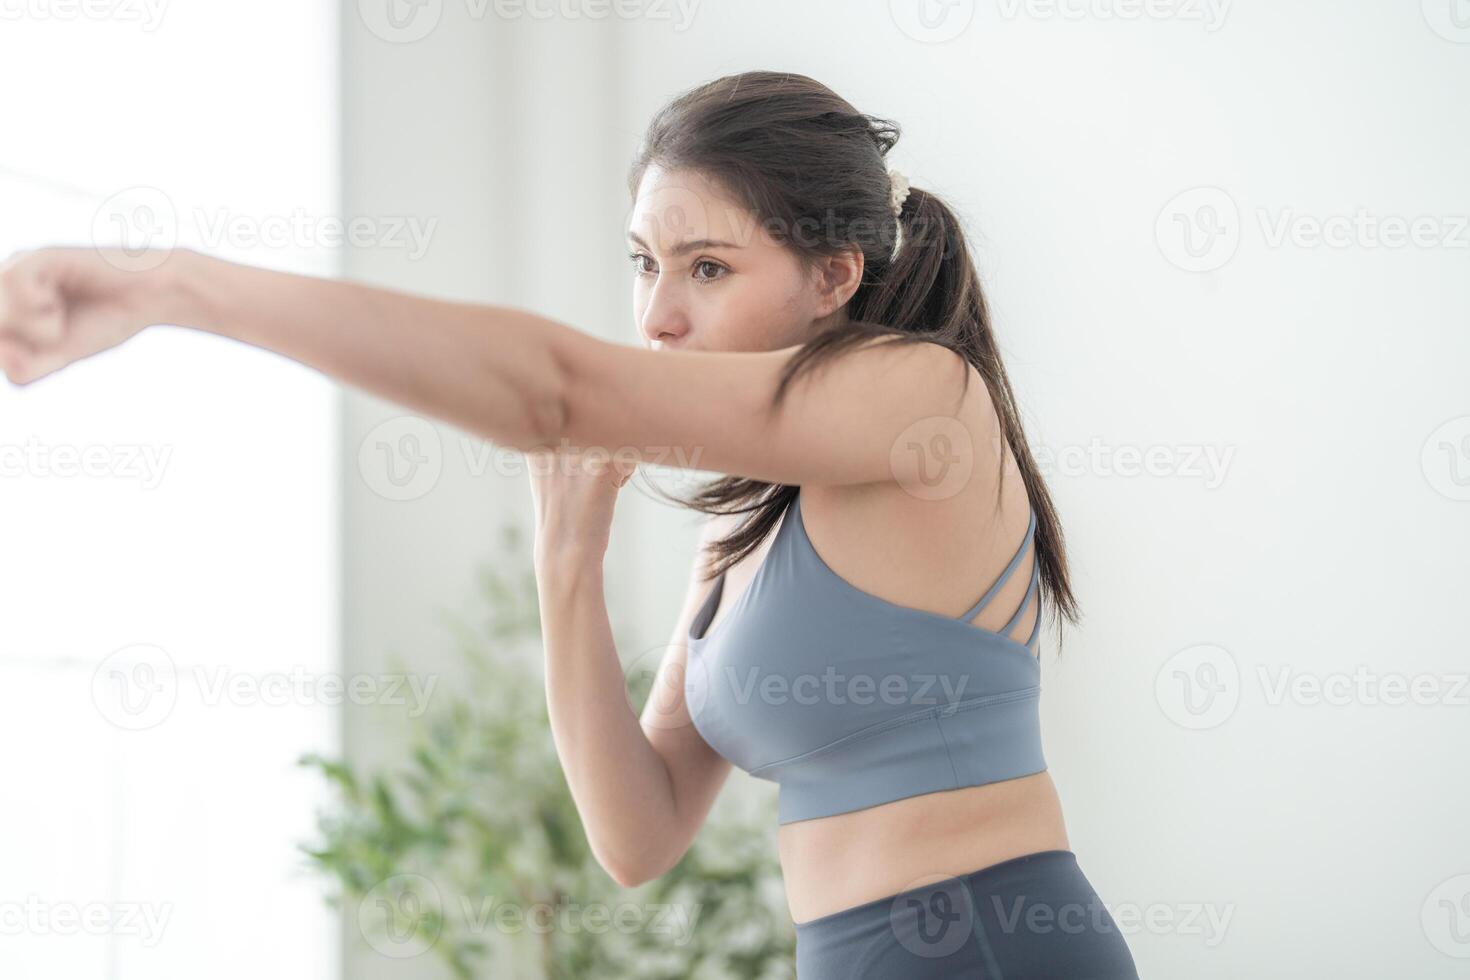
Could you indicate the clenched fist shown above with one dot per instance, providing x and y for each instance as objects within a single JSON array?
[
  {"x": 574, "y": 490},
  {"x": 61, "y": 304}
]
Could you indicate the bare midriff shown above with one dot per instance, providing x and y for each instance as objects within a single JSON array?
[{"x": 838, "y": 862}]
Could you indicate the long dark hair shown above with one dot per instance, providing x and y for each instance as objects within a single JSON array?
[{"x": 799, "y": 155}]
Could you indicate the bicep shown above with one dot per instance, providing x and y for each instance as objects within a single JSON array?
[{"x": 869, "y": 414}]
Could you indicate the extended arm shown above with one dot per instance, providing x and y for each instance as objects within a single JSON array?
[{"x": 509, "y": 375}]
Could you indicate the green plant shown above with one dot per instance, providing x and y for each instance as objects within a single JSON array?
[{"x": 473, "y": 847}]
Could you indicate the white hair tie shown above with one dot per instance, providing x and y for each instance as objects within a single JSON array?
[{"x": 900, "y": 192}]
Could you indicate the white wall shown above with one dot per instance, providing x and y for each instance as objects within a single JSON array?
[
  {"x": 168, "y": 593},
  {"x": 500, "y": 138},
  {"x": 1329, "y": 533}
]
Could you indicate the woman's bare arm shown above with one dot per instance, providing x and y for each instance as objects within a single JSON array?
[
  {"x": 510, "y": 375},
  {"x": 487, "y": 369},
  {"x": 643, "y": 787}
]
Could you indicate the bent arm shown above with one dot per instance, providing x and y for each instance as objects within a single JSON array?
[{"x": 643, "y": 787}]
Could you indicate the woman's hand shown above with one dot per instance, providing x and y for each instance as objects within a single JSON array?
[
  {"x": 574, "y": 490},
  {"x": 59, "y": 305}
]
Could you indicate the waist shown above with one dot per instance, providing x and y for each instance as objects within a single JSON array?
[{"x": 834, "y": 863}]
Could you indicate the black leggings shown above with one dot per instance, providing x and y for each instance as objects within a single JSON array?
[{"x": 1035, "y": 917}]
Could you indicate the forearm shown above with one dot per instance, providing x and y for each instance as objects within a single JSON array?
[
  {"x": 621, "y": 786},
  {"x": 491, "y": 370}
]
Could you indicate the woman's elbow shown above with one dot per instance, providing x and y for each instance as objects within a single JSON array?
[
  {"x": 546, "y": 419},
  {"x": 630, "y": 873},
  {"x": 541, "y": 385},
  {"x": 627, "y": 877},
  {"x": 641, "y": 864}
]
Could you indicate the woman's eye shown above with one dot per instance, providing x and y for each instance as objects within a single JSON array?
[
  {"x": 711, "y": 270},
  {"x": 711, "y": 265}
]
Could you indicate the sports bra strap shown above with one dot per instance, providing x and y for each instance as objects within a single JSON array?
[
  {"x": 1006, "y": 575},
  {"x": 1025, "y": 603},
  {"x": 1035, "y": 630}
]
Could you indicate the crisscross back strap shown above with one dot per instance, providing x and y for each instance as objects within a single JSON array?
[
  {"x": 1025, "y": 604},
  {"x": 1005, "y": 576}
]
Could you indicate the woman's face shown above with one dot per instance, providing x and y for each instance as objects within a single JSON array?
[{"x": 708, "y": 277}]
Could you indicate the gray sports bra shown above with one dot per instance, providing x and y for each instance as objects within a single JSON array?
[{"x": 847, "y": 700}]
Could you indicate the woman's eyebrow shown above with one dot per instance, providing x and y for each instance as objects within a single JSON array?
[{"x": 690, "y": 246}]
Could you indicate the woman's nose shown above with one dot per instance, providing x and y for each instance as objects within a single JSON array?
[{"x": 664, "y": 319}]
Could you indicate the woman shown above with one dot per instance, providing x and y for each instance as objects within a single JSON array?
[{"x": 816, "y": 330}]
